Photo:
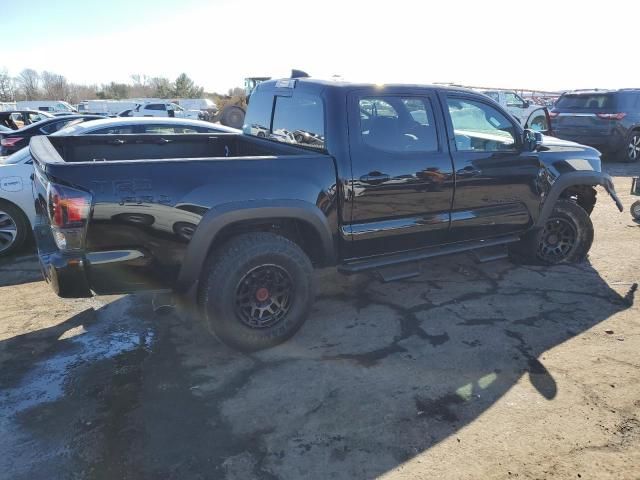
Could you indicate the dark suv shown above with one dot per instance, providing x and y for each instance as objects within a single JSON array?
[{"x": 608, "y": 120}]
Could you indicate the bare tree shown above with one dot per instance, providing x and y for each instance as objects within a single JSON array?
[
  {"x": 29, "y": 84},
  {"x": 79, "y": 93},
  {"x": 141, "y": 86},
  {"x": 55, "y": 86},
  {"x": 7, "y": 87},
  {"x": 161, "y": 87}
]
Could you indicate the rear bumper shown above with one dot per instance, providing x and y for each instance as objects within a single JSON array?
[
  {"x": 66, "y": 273},
  {"x": 606, "y": 143}
]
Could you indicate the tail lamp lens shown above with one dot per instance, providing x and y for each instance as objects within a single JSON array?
[
  {"x": 68, "y": 212},
  {"x": 10, "y": 141}
]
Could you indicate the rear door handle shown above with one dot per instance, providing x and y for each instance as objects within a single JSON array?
[
  {"x": 116, "y": 141},
  {"x": 375, "y": 178}
]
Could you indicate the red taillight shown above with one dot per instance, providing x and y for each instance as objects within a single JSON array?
[
  {"x": 68, "y": 207},
  {"x": 68, "y": 212},
  {"x": 10, "y": 142},
  {"x": 611, "y": 116}
]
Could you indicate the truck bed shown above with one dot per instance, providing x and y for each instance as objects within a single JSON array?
[
  {"x": 109, "y": 148},
  {"x": 149, "y": 194}
]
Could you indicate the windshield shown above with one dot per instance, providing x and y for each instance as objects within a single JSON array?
[
  {"x": 586, "y": 101},
  {"x": 65, "y": 106},
  {"x": 18, "y": 157}
]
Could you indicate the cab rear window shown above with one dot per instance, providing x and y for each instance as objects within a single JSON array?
[
  {"x": 297, "y": 119},
  {"x": 586, "y": 101}
]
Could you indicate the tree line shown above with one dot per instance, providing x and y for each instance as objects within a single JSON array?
[{"x": 30, "y": 84}]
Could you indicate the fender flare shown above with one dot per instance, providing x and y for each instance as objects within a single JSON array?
[
  {"x": 570, "y": 179},
  {"x": 223, "y": 215}
]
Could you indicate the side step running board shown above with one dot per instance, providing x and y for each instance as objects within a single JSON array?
[{"x": 422, "y": 254}]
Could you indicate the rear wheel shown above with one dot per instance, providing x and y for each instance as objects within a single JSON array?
[
  {"x": 632, "y": 152},
  {"x": 566, "y": 237},
  {"x": 14, "y": 228},
  {"x": 635, "y": 210},
  {"x": 257, "y": 291}
]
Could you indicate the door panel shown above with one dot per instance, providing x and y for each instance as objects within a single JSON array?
[
  {"x": 402, "y": 184},
  {"x": 496, "y": 181}
]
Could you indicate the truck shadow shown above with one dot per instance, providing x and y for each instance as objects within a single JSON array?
[{"x": 378, "y": 374}]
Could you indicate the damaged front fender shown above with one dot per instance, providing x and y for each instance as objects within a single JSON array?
[{"x": 570, "y": 179}]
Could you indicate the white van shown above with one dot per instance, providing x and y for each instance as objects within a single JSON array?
[
  {"x": 7, "y": 106},
  {"x": 51, "y": 106},
  {"x": 109, "y": 107}
]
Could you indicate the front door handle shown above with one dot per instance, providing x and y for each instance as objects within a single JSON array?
[
  {"x": 116, "y": 141},
  {"x": 375, "y": 178}
]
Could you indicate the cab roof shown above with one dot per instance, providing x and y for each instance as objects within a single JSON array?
[{"x": 315, "y": 84}]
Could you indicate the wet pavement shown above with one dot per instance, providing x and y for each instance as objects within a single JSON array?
[{"x": 469, "y": 371}]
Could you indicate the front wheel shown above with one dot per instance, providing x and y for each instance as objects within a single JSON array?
[
  {"x": 257, "y": 291},
  {"x": 566, "y": 237}
]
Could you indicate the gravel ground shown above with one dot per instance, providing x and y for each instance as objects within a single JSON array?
[{"x": 471, "y": 370}]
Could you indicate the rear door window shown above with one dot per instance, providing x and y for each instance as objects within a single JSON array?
[
  {"x": 155, "y": 106},
  {"x": 122, "y": 130},
  {"x": 398, "y": 124}
]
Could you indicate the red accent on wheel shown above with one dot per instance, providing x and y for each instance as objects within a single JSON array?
[{"x": 262, "y": 294}]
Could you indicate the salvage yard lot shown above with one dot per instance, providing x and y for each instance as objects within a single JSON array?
[{"x": 468, "y": 371}]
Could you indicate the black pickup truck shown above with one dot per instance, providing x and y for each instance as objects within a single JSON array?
[{"x": 362, "y": 177}]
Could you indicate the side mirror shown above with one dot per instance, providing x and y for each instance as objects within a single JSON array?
[
  {"x": 526, "y": 104},
  {"x": 531, "y": 140}
]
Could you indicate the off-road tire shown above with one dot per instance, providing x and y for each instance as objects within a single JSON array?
[
  {"x": 567, "y": 217},
  {"x": 635, "y": 210},
  {"x": 228, "y": 272},
  {"x": 15, "y": 217}
]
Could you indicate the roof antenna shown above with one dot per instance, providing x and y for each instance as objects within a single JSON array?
[{"x": 298, "y": 74}]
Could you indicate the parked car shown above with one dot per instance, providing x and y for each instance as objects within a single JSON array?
[
  {"x": 608, "y": 120},
  {"x": 51, "y": 106},
  {"x": 17, "y": 119},
  {"x": 144, "y": 125},
  {"x": 164, "y": 110},
  {"x": 513, "y": 103},
  {"x": 14, "y": 141},
  {"x": 238, "y": 222},
  {"x": 16, "y": 201}
]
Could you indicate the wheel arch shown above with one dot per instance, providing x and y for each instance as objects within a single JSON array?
[
  {"x": 568, "y": 182},
  {"x": 24, "y": 214},
  {"x": 223, "y": 222}
]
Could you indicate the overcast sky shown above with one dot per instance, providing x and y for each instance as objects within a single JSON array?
[{"x": 538, "y": 45}]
